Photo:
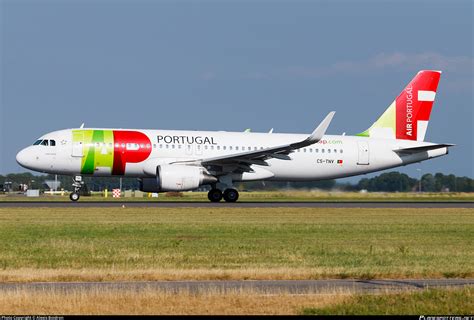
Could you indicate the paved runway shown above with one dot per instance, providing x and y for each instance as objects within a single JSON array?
[
  {"x": 183, "y": 204},
  {"x": 265, "y": 286}
]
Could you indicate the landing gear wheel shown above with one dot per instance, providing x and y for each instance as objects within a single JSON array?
[
  {"x": 74, "y": 196},
  {"x": 231, "y": 195},
  {"x": 214, "y": 195}
]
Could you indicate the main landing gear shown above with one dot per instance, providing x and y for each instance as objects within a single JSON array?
[
  {"x": 229, "y": 195},
  {"x": 77, "y": 185}
]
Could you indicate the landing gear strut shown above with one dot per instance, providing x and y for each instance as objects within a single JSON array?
[{"x": 77, "y": 185}]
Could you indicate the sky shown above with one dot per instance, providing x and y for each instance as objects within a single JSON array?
[{"x": 232, "y": 65}]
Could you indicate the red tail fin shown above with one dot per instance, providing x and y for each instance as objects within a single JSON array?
[
  {"x": 413, "y": 105},
  {"x": 407, "y": 117}
]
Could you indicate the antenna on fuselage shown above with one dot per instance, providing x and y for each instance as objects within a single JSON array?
[{"x": 82, "y": 126}]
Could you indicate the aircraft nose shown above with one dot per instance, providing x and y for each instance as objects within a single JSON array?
[{"x": 22, "y": 157}]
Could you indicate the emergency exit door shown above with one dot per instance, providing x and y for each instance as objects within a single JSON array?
[{"x": 363, "y": 158}]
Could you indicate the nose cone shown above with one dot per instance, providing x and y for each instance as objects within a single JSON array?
[{"x": 23, "y": 158}]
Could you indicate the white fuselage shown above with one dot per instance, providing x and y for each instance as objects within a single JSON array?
[{"x": 334, "y": 156}]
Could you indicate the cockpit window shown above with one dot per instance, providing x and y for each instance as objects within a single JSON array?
[{"x": 45, "y": 142}]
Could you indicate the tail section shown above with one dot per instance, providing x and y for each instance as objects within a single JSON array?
[{"x": 407, "y": 117}]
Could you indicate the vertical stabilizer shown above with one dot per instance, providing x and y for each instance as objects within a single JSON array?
[{"x": 407, "y": 117}]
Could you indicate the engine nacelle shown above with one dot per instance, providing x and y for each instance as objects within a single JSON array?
[{"x": 176, "y": 178}]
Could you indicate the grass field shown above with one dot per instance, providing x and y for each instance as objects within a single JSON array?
[
  {"x": 277, "y": 196},
  {"x": 430, "y": 302},
  {"x": 433, "y": 301},
  {"x": 68, "y": 244}
]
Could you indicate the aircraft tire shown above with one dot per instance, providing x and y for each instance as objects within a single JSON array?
[
  {"x": 74, "y": 196},
  {"x": 231, "y": 195},
  {"x": 214, "y": 195}
]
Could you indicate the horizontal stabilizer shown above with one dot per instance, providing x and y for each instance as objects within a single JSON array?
[{"x": 423, "y": 148}]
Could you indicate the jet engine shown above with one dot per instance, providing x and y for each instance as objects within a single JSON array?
[{"x": 176, "y": 178}]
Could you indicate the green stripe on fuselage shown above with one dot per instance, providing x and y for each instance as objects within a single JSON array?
[{"x": 98, "y": 150}]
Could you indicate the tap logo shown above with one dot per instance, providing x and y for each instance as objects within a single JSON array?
[{"x": 109, "y": 151}]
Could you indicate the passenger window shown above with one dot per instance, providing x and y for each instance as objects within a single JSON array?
[
  {"x": 218, "y": 147},
  {"x": 237, "y": 148},
  {"x": 322, "y": 150},
  {"x": 335, "y": 150},
  {"x": 223, "y": 148},
  {"x": 341, "y": 150},
  {"x": 304, "y": 150},
  {"x": 316, "y": 150},
  {"x": 329, "y": 150}
]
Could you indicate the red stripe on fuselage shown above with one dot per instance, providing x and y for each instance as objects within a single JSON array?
[{"x": 125, "y": 150}]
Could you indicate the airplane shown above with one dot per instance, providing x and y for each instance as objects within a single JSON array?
[{"x": 175, "y": 160}]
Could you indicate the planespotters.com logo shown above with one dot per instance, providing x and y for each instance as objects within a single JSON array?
[{"x": 446, "y": 318}]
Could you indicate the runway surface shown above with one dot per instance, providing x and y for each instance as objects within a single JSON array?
[
  {"x": 180, "y": 204},
  {"x": 265, "y": 286}
]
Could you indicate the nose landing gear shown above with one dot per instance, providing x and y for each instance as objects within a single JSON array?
[{"x": 77, "y": 185}]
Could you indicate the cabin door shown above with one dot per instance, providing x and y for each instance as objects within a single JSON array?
[{"x": 77, "y": 143}]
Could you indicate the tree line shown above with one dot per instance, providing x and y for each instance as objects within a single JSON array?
[{"x": 386, "y": 182}]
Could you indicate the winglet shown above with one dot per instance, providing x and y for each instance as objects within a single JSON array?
[{"x": 319, "y": 132}]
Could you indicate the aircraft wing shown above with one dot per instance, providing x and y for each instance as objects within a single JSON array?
[{"x": 259, "y": 156}]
